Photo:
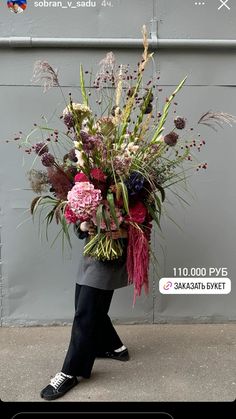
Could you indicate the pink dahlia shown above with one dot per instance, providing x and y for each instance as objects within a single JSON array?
[
  {"x": 70, "y": 216},
  {"x": 84, "y": 200},
  {"x": 81, "y": 177},
  {"x": 137, "y": 213},
  {"x": 98, "y": 174}
]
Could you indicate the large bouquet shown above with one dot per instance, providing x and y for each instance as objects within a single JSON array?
[{"x": 112, "y": 169}]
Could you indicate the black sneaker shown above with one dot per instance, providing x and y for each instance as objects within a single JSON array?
[
  {"x": 120, "y": 356},
  {"x": 58, "y": 386}
]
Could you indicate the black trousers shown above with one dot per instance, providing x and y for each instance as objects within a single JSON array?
[{"x": 92, "y": 330}]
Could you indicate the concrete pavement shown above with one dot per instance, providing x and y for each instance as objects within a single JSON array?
[{"x": 168, "y": 363}]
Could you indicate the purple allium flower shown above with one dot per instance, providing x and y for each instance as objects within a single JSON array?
[
  {"x": 90, "y": 142},
  {"x": 72, "y": 155},
  {"x": 68, "y": 120},
  {"x": 47, "y": 160},
  {"x": 180, "y": 122},
  {"x": 135, "y": 183},
  {"x": 171, "y": 139},
  {"x": 84, "y": 136},
  {"x": 148, "y": 109},
  {"x": 40, "y": 148}
]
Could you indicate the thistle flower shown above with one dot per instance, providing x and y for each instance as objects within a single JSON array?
[
  {"x": 47, "y": 160},
  {"x": 40, "y": 148},
  {"x": 44, "y": 74},
  {"x": 180, "y": 122},
  {"x": 171, "y": 139}
]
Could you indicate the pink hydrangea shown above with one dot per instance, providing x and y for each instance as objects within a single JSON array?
[
  {"x": 112, "y": 222},
  {"x": 84, "y": 200}
]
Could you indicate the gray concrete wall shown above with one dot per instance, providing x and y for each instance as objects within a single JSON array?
[{"x": 37, "y": 284}]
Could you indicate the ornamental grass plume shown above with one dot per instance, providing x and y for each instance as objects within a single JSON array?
[
  {"x": 211, "y": 119},
  {"x": 106, "y": 71},
  {"x": 59, "y": 181},
  {"x": 39, "y": 181},
  {"x": 44, "y": 74}
]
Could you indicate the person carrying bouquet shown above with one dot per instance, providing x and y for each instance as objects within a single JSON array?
[{"x": 93, "y": 334}]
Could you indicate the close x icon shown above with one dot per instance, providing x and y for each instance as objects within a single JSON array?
[{"x": 224, "y": 3}]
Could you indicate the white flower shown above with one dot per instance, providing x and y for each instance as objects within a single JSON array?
[
  {"x": 77, "y": 144},
  {"x": 79, "y": 108},
  {"x": 132, "y": 148},
  {"x": 80, "y": 160},
  {"x": 84, "y": 226}
]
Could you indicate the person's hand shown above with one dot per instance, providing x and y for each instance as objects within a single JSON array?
[
  {"x": 92, "y": 229},
  {"x": 118, "y": 234},
  {"x": 89, "y": 227}
]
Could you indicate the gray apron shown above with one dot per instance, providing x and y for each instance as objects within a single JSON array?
[{"x": 107, "y": 275}]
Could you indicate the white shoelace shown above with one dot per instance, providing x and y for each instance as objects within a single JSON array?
[
  {"x": 58, "y": 379},
  {"x": 122, "y": 348}
]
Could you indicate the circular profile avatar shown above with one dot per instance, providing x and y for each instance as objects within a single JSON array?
[{"x": 17, "y": 6}]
